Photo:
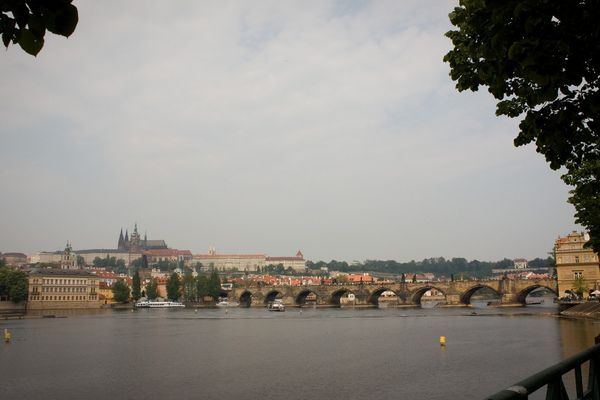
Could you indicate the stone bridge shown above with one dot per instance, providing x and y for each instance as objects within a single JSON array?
[{"x": 453, "y": 293}]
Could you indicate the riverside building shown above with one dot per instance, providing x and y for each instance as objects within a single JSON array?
[
  {"x": 247, "y": 262},
  {"x": 573, "y": 261},
  {"x": 51, "y": 289}
]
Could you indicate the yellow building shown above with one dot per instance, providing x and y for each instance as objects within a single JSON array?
[
  {"x": 51, "y": 289},
  {"x": 574, "y": 261}
]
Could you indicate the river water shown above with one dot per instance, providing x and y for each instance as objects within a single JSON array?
[{"x": 299, "y": 354}]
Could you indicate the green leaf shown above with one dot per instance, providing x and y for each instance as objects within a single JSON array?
[
  {"x": 64, "y": 21},
  {"x": 37, "y": 26},
  {"x": 6, "y": 37},
  {"x": 30, "y": 43}
]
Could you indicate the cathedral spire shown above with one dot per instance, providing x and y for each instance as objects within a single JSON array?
[{"x": 121, "y": 245}]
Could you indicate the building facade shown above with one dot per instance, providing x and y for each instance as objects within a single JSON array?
[
  {"x": 520, "y": 263},
  {"x": 173, "y": 255},
  {"x": 574, "y": 262},
  {"x": 247, "y": 262},
  {"x": 52, "y": 289},
  {"x": 229, "y": 262},
  {"x": 14, "y": 259},
  {"x": 297, "y": 262}
]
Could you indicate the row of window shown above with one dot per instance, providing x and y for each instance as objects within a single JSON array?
[
  {"x": 576, "y": 259},
  {"x": 57, "y": 281},
  {"x": 62, "y": 298},
  {"x": 81, "y": 289}
]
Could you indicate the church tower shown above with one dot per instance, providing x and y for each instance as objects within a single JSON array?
[
  {"x": 135, "y": 241},
  {"x": 68, "y": 260},
  {"x": 121, "y": 245}
]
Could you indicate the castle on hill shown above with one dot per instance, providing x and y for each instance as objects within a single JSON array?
[{"x": 135, "y": 244}]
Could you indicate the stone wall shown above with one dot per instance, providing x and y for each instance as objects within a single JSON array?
[
  {"x": 7, "y": 307},
  {"x": 64, "y": 305}
]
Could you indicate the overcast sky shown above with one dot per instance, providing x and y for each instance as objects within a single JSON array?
[{"x": 266, "y": 127}]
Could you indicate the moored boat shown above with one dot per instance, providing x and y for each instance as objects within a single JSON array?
[
  {"x": 142, "y": 304},
  {"x": 158, "y": 304},
  {"x": 276, "y": 305},
  {"x": 227, "y": 303}
]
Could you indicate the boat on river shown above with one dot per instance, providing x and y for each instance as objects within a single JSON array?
[
  {"x": 158, "y": 304},
  {"x": 227, "y": 303},
  {"x": 276, "y": 305}
]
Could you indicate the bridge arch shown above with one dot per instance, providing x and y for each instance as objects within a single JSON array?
[
  {"x": 522, "y": 295},
  {"x": 374, "y": 296},
  {"x": 245, "y": 299},
  {"x": 465, "y": 297},
  {"x": 417, "y": 294},
  {"x": 305, "y": 296},
  {"x": 338, "y": 294},
  {"x": 272, "y": 295}
]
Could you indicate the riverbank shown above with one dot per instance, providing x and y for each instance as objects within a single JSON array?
[{"x": 588, "y": 310}]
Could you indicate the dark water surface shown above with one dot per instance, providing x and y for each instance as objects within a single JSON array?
[{"x": 255, "y": 354}]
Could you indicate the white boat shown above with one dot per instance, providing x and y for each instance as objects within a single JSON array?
[
  {"x": 276, "y": 305},
  {"x": 226, "y": 303},
  {"x": 159, "y": 304}
]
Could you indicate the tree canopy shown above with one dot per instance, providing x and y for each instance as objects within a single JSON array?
[
  {"x": 173, "y": 287},
  {"x": 437, "y": 265},
  {"x": 214, "y": 284},
  {"x": 13, "y": 284},
  {"x": 541, "y": 60},
  {"x": 152, "y": 289},
  {"x": 24, "y": 22},
  {"x": 136, "y": 286},
  {"x": 110, "y": 264},
  {"x": 121, "y": 291}
]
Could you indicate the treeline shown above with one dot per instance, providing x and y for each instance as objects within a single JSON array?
[
  {"x": 13, "y": 284},
  {"x": 110, "y": 264},
  {"x": 438, "y": 266},
  {"x": 189, "y": 287}
]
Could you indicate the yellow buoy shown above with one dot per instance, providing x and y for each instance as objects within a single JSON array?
[
  {"x": 442, "y": 340},
  {"x": 7, "y": 335}
]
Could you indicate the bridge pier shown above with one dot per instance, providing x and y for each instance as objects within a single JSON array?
[
  {"x": 453, "y": 299},
  {"x": 509, "y": 298}
]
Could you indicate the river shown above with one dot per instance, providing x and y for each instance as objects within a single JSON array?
[{"x": 299, "y": 354}]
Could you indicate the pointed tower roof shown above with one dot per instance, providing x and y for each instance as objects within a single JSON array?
[
  {"x": 126, "y": 236},
  {"x": 299, "y": 254},
  {"x": 121, "y": 243}
]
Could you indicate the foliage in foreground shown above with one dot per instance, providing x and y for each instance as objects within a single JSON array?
[
  {"x": 540, "y": 59},
  {"x": 13, "y": 285},
  {"x": 24, "y": 22}
]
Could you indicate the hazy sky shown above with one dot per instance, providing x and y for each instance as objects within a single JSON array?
[{"x": 266, "y": 126}]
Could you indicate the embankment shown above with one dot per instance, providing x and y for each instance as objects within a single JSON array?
[{"x": 585, "y": 310}]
